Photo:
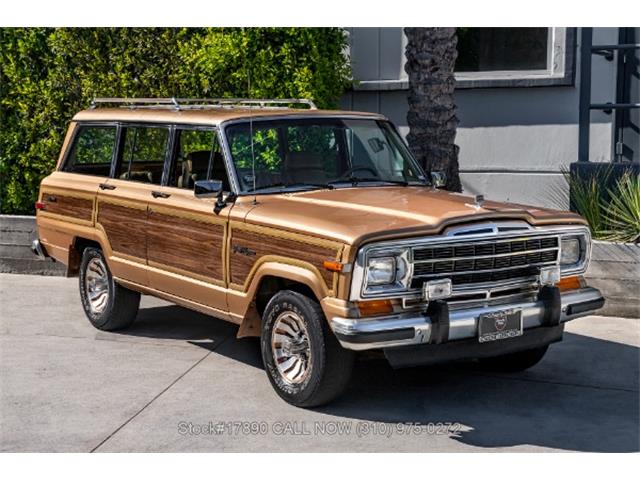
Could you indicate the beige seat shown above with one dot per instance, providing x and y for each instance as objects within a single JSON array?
[
  {"x": 194, "y": 167},
  {"x": 141, "y": 176}
]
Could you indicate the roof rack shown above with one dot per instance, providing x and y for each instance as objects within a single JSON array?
[{"x": 202, "y": 103}]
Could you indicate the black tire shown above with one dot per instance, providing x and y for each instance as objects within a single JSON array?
[
  {"x": 120, "y": 306},
  {"x": 515, "y": 362},
  {"x": 328, "y": 371}
]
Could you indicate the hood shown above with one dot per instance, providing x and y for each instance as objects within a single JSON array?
[{"x": 356, "y": 215}]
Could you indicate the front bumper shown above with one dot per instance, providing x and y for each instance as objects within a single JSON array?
[{"x": 439, "y": 324}]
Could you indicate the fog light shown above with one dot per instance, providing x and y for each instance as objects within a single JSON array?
[
  {"x": 549, "y": 275},
  {"x": 437, "y": 289}
]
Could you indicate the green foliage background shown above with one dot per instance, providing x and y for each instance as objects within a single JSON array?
[{"x": 47, "y": 75}]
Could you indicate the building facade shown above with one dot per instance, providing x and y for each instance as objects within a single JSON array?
[{"x": 519, "y": 100}]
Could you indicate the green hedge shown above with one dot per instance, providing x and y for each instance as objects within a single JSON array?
[{"x": 47, "y": 75}]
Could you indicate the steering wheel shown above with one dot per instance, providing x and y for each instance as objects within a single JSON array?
[{"x": 346, "y": 175}]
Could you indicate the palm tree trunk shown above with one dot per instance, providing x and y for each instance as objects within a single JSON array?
[{"x": 431, "y": 57}]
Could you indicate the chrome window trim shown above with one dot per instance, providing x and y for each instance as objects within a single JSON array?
[{"x": 357, "y": 288}]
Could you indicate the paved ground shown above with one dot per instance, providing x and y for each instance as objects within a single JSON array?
[{"x": 160, "y": 385}]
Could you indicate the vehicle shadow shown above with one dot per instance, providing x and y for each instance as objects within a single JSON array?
[
  {"x": 179, "y": 325},
  {"x": 583, "y": 396}
]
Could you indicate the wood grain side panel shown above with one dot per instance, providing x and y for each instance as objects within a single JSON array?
[
  {"x": 125, "y": 228},
  {"x": 68, "y": 206},
  {"x": 248, "y": 247},
  {"x": 186, "y": 244}
]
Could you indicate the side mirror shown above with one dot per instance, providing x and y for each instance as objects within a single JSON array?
[
  {"x": 207, "y": 188},
  {"x": 439, "y": 179}
]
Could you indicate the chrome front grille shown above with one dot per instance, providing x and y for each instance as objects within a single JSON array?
[{"x": 479, "y": 262}]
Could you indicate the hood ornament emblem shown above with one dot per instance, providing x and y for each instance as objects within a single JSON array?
[{"x": 478, "y": 202}]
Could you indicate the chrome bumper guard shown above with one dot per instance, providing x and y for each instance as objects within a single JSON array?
[
  {"x": 418, "y": 328},
  {"x": 38, "y": 249}
]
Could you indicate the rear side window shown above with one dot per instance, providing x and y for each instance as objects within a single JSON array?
[
  {"x": 143, "y": 154},
  {"x": 92, "y": 151}
]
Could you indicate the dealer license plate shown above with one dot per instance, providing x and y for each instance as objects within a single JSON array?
[{"x": 499, "y": 325}]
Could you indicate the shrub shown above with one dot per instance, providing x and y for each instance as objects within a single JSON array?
[
  {"x": 47, "y": 75},
  {"x": 622, "y": 213},
  {"x": 588, "y": 197},
  {"x": 612, "y": 212}
]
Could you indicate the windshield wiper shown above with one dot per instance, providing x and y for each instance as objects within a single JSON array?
[
  {"x": 293, "y": 185},
  {"x": 356, "y": 180}
]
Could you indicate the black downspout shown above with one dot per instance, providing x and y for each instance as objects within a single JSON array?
[{"x": 586, "y": 41}]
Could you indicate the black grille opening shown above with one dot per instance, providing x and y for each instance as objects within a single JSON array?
[
  {"x": 450, "y": 266},
  {"x": 484, "y": 277},
  {"x": 484, "y": 262},
  {"x": 484, "y": 249}
]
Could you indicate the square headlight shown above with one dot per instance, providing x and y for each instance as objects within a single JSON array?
[
  {"x": 381, "y": 271},
  {"x": 570, "y": 251}
]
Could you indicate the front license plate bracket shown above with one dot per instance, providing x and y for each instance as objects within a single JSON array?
[{"x": 499, "y": 325}]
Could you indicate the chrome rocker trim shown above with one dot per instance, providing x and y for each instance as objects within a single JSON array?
[{"x": 418, "y": 328}]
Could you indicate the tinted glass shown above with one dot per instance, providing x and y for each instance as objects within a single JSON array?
[
  {"x": 143, "y": 154},
  {"x": 92, "y": 151},
  {"x": 191, "y": 159},
  {"x": 317, "y": 152}
]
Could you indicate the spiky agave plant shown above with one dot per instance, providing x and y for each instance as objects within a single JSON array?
[
  {"x": 622, "y": 213},
  {"x": 588, "y": 197}
]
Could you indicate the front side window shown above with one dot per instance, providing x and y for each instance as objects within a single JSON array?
[
  {"x": 313, "y": 153},
  {"x": 143, "y": 154},
  {"x": 196, "y": 156},
  {"x": 92, "y": 151}
]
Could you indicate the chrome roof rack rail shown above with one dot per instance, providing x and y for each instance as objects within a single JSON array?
[{"x": 202, "y": 103}]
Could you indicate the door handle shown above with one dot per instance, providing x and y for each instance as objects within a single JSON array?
[
  {"x": 106, "y": 186},
  {"x": 160, "y": 194}
]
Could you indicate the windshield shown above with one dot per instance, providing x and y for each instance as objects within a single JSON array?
[{"x": 319, "y": 153}]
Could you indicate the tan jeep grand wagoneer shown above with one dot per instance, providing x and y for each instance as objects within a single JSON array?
[{"x": 314, "y": 230}]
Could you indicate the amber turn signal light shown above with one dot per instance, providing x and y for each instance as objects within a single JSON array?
[
  {"x": 374, "y": 307},
  {"x": 332, "y": 266},
  {"x": 570, "y": 283}
]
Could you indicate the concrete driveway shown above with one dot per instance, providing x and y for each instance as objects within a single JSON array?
[{"x": 180, "y": 381}]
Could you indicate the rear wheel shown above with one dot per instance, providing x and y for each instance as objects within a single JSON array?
[
  {"x": 108, "y": 306},
  {"x": 515, "y": 362},
  {"x": 304, "y": 361}
]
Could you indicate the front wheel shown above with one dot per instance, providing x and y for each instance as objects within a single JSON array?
[
  {"x": 515, "y": 362},
  {"x": 305, "y": 363},
  {"x": 108, "y": 306}
]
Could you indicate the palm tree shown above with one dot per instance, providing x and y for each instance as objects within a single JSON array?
[{"x": 431, "y": 57}]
